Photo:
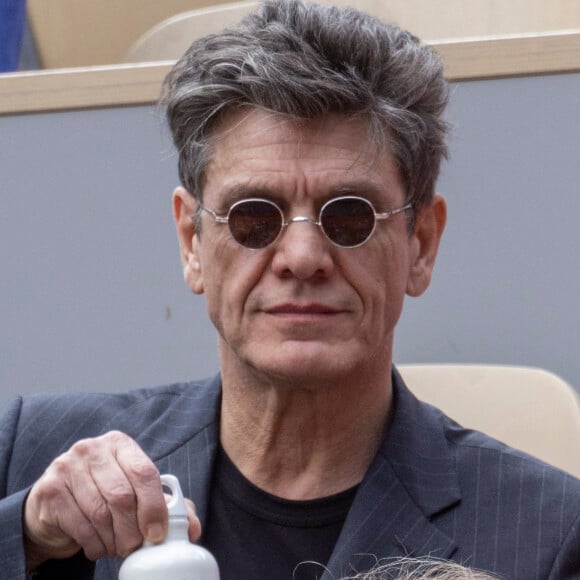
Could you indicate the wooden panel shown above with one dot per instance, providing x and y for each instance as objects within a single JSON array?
[
  {"x": 447, "y": 19},
  {"x": 139, "y": 84},
  {"x": 81, "y": 88},
  {"x": 511, "y": 56},
  {"x": 74, "y": 33},
  {"x": 172, "y": 37}
]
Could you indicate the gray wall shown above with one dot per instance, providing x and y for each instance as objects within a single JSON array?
[{"x": 91, "y": 294}]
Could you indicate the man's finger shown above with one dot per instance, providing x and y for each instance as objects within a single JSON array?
[
  {"x": 145, "y": 480},
  {"x": 56, "y": 527},
  {"x": 194, "y": 523},
  {"x": 121, "y": 507},
  {"x": 86, "y": 494}
]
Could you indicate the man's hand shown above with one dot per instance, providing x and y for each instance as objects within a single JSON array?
[{"x": 103, "y": 496}]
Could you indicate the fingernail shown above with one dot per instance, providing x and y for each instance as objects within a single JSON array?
[{"x": 155, "y": 533}]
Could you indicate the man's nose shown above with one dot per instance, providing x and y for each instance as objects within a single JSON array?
[{"x": 303, "y": 251}]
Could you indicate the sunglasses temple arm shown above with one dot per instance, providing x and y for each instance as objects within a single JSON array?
[
  {"x": 388, "y": 214},
  {"x": 218, "y": 218}
]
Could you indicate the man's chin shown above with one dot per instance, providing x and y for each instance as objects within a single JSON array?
[{"x": 305, "y": 363}]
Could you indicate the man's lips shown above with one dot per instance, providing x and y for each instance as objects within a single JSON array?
[{"x": 304, "y": 309}]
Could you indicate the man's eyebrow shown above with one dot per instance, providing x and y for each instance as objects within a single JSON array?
[
  {"x": 358, "y": 188},
  {"x": 238, "y": 192},
  {"x": 374, "y": 192},
  {"x": 370, "y": 190}
]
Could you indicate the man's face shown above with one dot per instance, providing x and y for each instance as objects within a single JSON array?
[{"x": 303, "y": 308}]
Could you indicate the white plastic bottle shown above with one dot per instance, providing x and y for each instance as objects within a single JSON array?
[{"x": 176, "y": 558}]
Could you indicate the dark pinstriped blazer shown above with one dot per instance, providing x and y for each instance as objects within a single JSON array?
[{"x": 434, "y": 488}]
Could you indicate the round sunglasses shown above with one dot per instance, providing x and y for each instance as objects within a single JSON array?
[{"x": 348, "y": 221}]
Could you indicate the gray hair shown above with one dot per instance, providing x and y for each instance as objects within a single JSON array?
[
  {"x": 302, "y": 61},
  {"x": 422, "y": 569}
]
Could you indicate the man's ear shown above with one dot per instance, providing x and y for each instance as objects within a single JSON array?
[
  {"x": 184, "y": 207},
  {"x": 429, "y": 225}
]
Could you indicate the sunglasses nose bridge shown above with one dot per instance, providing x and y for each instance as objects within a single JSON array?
[{"x": 301, "y": 219}]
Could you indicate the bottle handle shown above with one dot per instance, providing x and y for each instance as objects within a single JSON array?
[{"x": 176, "y": 503}]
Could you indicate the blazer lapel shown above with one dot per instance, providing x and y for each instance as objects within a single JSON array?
[
  {"x": 191, "y": 459},
  {"x": 192, "y": 464},
  {"x": 412, "y": 478}
]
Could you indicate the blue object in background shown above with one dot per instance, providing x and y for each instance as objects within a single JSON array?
[{"x": 12, "y": 18}]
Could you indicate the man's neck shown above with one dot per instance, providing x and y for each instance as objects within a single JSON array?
[{"x": 304, "y": 442}]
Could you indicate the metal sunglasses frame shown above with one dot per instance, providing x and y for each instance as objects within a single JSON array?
[{"x": 224, "y": 219}]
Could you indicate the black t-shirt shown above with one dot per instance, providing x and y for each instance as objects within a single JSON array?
[{"x": 257, "y": 536}]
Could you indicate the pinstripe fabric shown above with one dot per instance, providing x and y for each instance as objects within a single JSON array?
[
  {"x": 176, "y": 425},
  {"x": 434, "y": 488}
]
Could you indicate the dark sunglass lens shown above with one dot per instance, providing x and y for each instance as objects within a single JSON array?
[
  {"x": 348, "y": 221},
  {"x": 255, "y": 224}
]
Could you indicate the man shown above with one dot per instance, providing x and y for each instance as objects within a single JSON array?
[{"x": 309, "y": 144}]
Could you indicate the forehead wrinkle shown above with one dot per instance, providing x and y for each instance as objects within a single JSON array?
[
  {"x": 307, "y": 161},
  {"x": 294, "y": 131}
]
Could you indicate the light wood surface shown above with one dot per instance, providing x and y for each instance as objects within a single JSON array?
[
  {"x": 77, "y": 33},
  {"x": 139, "y": 84},
  {"x": 452, "y": 19},
  {"x": 81, "y": 88},
  {"x": 73, "y": 33},
  {"x": 511, "y": 55},
  {"x": 172, "y": 37}
]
